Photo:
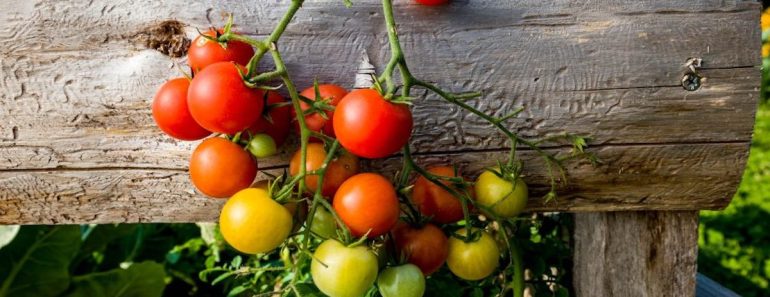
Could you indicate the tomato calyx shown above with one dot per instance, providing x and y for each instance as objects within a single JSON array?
[
  {"x": 473, "y": 236},
  {"x": 318, "y": 106},
  {"x": 508, "y": 172}
]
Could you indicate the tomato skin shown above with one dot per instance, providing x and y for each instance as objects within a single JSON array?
[
  {"x": 505, "y": 198},
  {"x": 220, "y": 102},
  {"x": 315, "y": 121},
  {"x": 369, "y": 126},
  {"x": 169, "y": 109},
  {"x": 401, "y": 281},
  {"x": 432, "y": 2},
  {"x": 432, "y": 200},
  {"x": 367, "y": 201},
  {"x": 426, "y": 246},
  {"x": 220, "y": 168},
  {"x": 280, "y": 117},
  {"x": 324, "y": 224},
  {"x": 204, "y": 52},
  {"x": 262, "y": 145},
  {"x": 339, "y": 169},
  {"x": 252, "y": 222},
  {"x": 473, "y": 260},
  {"x": 343, "y": 271}
]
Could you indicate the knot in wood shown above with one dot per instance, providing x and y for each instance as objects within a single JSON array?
[{"x": 167, "y": 37}]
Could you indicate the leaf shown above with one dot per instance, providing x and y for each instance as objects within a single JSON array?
[
  {"x": 145, "y": 279},
  {"x": 308, "y": 290},
  {"x": 101, "y": 235},
  {"x": 441, "y": 285},
  {"x": 7, "y": 233},
  {"x": 36, "y": 262}
]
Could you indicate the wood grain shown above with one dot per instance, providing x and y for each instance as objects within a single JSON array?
[{"x": 75, "y": 101}]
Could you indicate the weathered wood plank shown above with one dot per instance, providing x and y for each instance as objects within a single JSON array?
[{"x": 635, "y": 254}]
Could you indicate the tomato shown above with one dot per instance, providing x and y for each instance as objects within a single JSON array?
[
  {"x": 220, "y": 101},
  {"x": 169, "y": 109},
  {"x": 204, "y": 52},
  {"x": 275, "y": 119},
  {"x": 369, "y": 126},
  {"x": 424, "y": 246},
  {"x": 340, "y": 271},
  {"x": 436, "y": 202},
  {"x": 505, "y": 198},
  {"x": 340, "y": 169},
  {"x": 262, "y": 145},
  {"x": 432, "y": 2},
  {"x": 473, "y": 260},
  {"x": 367, "y": 202},
  {"x": 401, "y": 281},
  {"x": 253, "y": 223},
  {"x": 220, "y": 168},
  {"x": 315, "y": 121},
  {"x": 324, "y": 224}
]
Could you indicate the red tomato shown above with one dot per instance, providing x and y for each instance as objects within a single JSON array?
[
  {"x": 278, "y": 125},
  {"x": 339, "y": 169},
  {"x": 434, "y": 201},
  {"x": 220, "y": 168},
  {"x": 369, "y": 126},
  {"x": 315, "y": 121},
  {"x": 204, "y": 52},
  {"x": 367, "y": 202},
  {"x": 169, "y": 109},
  {"x": 427, "y": 246},
  {"x": 432, "y": 2},
  {"x": 220, "y": 101}
]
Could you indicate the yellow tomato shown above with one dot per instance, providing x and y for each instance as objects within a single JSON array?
[
  {"x": 473, "y": 260},
  {"x": 253, "y": 223},
  {"x": 340, "y": 271},
  {"x": 505, "y": 198}
]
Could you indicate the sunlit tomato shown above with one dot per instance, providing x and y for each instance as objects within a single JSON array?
[
  {"x": 204, "y": 52},
  {"x": 324, "y": 224},
  {"x": 505, "y": 198},
  {"x": 315, "y": 121},
  {"x": 253, "y": 223},
  {"x": 473, "y": 260},
  {"x": 220, "y": 168},
  {"x": 436, "y": 202},
  {"x": 340, "y": 271},
  {"x": 262, "y": 145},
  {"x": 369, "y": 126},
  {"x": 425, "y": 246},
  {"x": 298, "y": 210},
  {"x": 432, "y": 2},
  {"x": 275, "y": 120},
  {"x": 401, "y": 281},
  {"x": 220, "y": 102},
  {"x": 339, "y": 169},
  {"x": 367, "y": 202},
  {"x": 169, "y": 109}
]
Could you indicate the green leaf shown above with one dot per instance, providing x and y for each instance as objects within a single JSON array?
[
  {"x": 145, "y": 279},
  {"x": 36, "y": 262},
  {"x": 308, "y": 290},
  {"x": 442, "y": 285},
  {"x": 101, "y": 235},
  {"x": 7, "y": 233}
]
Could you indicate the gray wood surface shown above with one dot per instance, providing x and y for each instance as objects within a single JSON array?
[{"x": 77, "y": 141}]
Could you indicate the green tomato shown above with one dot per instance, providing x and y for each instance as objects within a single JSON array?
[
  {"x": 473, "y": 260},
  {"x": 324, "y": 224},
  {"x": 340, "y": 271},
  {"x": 262, "y": 145},
  {"x": 401, "y": 281},
  {"x": 505, "y": 198}
]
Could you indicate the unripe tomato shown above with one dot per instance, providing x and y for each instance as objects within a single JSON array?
[
  {"x": 253, "y": 223},
  {"x": 473, "y": 260},
  {"x": 435, "y": 202},
  {"x": 425, "y": 246},
  {"x": 220, "y": 102},
  {"x": 369, "y": 126},
  {"x": 220, "y": 168},
  {"x": 338, "y": 170},
  {"x": 367, "y": 202},
  {"x": 401, "y": 281},
  {"x": 169, "y": 109},
  {"x": 505, "y": 198},
  {"x": 262, "y": 145},
  {"x": 340, "y": 271},
  {"x": 324, "y": 224},
  {"x": 432, "y": 2},
  {"x": 275, "y": 120},
  {"x": 204, "y": 52},
  {"x": 314, "y": 121}
]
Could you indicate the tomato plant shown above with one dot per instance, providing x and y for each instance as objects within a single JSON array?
[
  {"x": 475, "y": 259},
  {"x": 369, "y": 126},
  {"x": 367, "y": 204},
  {"x": 435, "y": 202},
  {"x": 321, "y": 120},
  {"x": 275, "y": 120},
  {"x": 220, "y": 168},
  {"x": 340, "y": 271},
  {"x": 204, "y": 51},
  {"x": 338, "y": 170},
  {"x": 401, "y": 281},
  {"x": 425, "y": 246},
  {"x": 253, "y": 223},
  {"x": 169, "y": 109},
  {"x": 503, "y": 197}
]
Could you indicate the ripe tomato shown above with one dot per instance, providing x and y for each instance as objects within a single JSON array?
[
  {"x": 401, "y": 281},
  {"x": 434, "y": 201},
  {"x": 253, "y": 223},
  {"x": 340, "y": 271},
  {"x": 169, "y": 109},
  {"x": 324, "y": 224},
  {"x": 432, "y": 2},
  {"x": 425, "y": 246},
  {"x": 367, "y": 202},
  {"x": 473, "y": 260},
  {"x": 220, "y": 168},
  {"x": 315, "y": 121},
  {"x": 339, "y": 169},
  {"x": 505, "y": 198},
  {"x": 277, "y": 126},
  {"x": 369, "y": 126},
  {"x": 220, "y": 101},
  {"x": 204, "y": 52}
]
